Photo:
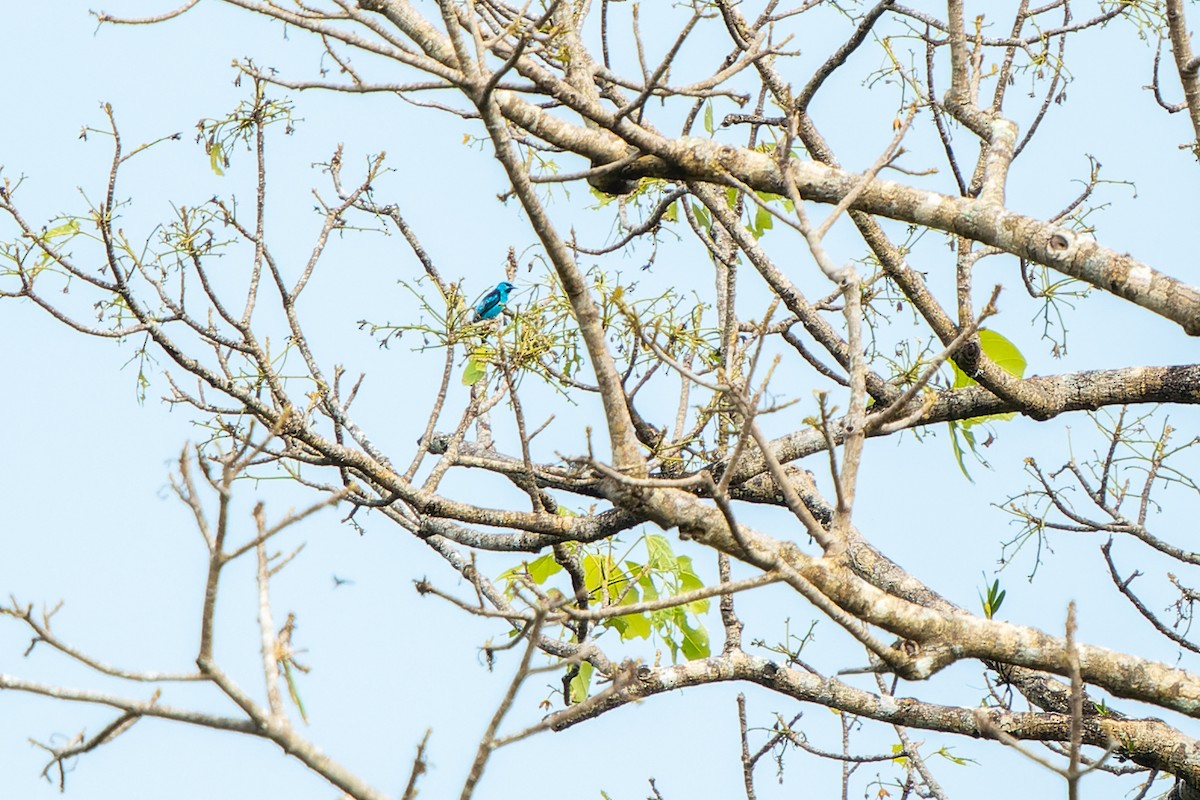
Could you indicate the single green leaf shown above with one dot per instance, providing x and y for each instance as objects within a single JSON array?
[
  {"x": 632, "y": 626},
  {"x": 602, "y": 199},
  {"x": 659, "y": 550},
  {"x": 593, "y": 572},
  {"x": 68, "y": 228},
  {"x": 998, "y": 349},
  {"x": 1007, "y": 357},
  {"x": 969, "y": 437},
  {"x": 973, "y": 421},
  {"x": 603, "y": 577},
  {"x": 216, "y": 157},
  {"x": 695, "y": 641},
  {"x": 474, "y": 372},
  {"x": 763, "y": 222},
  {"x": 1003, "y": 352},
  {"x": 958, "y": 450},
  {"x": 581, "y": 683},
  {"x": 688, "y": 579},
  {"x": 708, "y": 118},
  {"x": 293, "y": 692},
  {"x": 540, "y": 569}
]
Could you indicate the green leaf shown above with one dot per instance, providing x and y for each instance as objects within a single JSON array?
[
  {"x": 994, "y": 599},
  {"x": 474, "y": 372},
  {"x": 540, "y": 569},
  {"x": 672, "y": 213},
  {"x": 955, "y": 427},
  {"x": 216, "y": 157},
  {"x": 695, "y": 640},
  {"x": 945, "y": 753},
  {"x": 659, "y": 550},
  {"x": 68, "y": 228},
  {"x": 632, "y": 626},
  {"x": 702, "y": 216},
  {"x": 603, "y": 577},
  {"x": 998, "y": 349},
  {"x": 708, "y": 118},
  {"x": 602, "y": 199},
  {"x": 645, "y": 580},
  {"x": 1008, "y": 358},
  {"x": 690, "y": 582},
  {"x": 293, "y": 692},
  {"x": 688, "y": 579},
  {"x": 770, "y": 197},
  {"x": 763, "y": 222},
  {"x": 581, "y": 682}
]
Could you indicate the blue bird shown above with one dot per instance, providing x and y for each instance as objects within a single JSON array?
[{"x": 493, "y": 302}]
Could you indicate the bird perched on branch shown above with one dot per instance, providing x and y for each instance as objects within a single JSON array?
[{"x": 492, "y": 303}]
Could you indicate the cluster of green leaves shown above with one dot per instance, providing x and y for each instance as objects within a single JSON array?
[
  {"x": 994, "y": 598},
  {"x": 537, "y": 333},
  {"x": 613, "y": 580},
  {"x": 536, "y": 337}
]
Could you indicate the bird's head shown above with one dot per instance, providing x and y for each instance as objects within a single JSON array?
[{"x": 504, "y": 287}]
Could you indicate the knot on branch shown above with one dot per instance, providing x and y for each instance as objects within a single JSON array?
[
  {"x": 1060, "y": 245},
  {"x": 967, "y": 356}
]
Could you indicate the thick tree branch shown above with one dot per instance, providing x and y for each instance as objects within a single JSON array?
[{"x": 1187, "y": 65}]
